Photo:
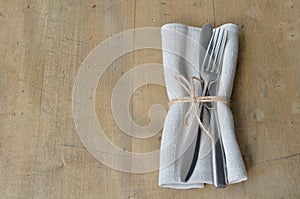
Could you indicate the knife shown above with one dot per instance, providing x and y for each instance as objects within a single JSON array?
[{"x": 191, "y": 155}]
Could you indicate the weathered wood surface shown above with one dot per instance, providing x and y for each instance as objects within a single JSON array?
[{"x": 42, "y": 45}]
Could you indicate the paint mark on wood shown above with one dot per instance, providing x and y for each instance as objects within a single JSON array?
[
  {"x": 279, "y": 85},
  {"x": 258, "y": 115}
]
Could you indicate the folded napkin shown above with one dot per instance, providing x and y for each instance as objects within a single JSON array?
[{"x": 181, "y": 56}]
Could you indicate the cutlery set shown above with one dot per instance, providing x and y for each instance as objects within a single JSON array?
[
  {"x": 213, "y": 42},
  {"x": 198, "y": 144}
]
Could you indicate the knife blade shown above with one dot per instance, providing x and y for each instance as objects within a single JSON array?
[{"x": 191, "y": 155}]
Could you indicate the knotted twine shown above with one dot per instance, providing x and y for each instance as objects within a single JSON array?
[{"x": 195, "y": 100}]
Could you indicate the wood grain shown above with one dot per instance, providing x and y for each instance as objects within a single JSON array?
[{"x": 43, "y": 43}]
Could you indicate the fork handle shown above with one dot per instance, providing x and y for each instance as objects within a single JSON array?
[{"x": 218, "y": 159}]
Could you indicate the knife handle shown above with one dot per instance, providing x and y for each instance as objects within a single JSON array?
[
  {"x": 197, "y": 148},
  {"x": 218, "y": 157}
]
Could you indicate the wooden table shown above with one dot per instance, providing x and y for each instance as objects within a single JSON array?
[{"x": 42, "y": 46}]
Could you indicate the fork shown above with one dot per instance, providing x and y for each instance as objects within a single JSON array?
[
  {"x": 209, "y": 73},
  {"x": 218, "y": 159}
]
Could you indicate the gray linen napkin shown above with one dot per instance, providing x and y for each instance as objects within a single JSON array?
[{"x": 181, "y": 52}]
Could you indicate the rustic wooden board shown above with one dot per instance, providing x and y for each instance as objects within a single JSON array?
[{"x": 42, "y": 44}]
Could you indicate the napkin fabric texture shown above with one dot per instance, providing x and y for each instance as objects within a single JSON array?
[{"x": 181, "y": 56}]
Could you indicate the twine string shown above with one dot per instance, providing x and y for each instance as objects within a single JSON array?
[{"x": 194, "y": 100}]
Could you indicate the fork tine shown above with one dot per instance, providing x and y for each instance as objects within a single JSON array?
[
  {"x": 212, "y": 49},
  {"x": 215, "y": 66},
  {"x": 222, "y": 48},
  {"x": 204, "y": 65}
]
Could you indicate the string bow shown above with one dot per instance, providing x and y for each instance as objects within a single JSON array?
[{"x": 194, "y": 100}]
